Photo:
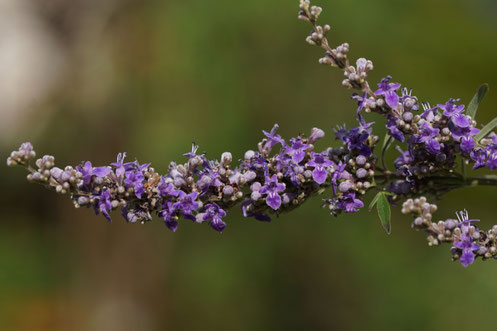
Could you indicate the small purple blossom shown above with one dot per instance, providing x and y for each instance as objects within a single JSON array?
[
  {"x": 393, "y": 129},
  {"x": 120, "y": 166},
  {"x": 134, "y": 178},
  {"x": 296, "y": 149},
  {"x": 272, "y": 139},
  {"x": 388, "y": 90},
  {"x": 492, "y": 161},
  {"x": 193, "y": 153},
  {"x": 215, "y": 214},
  {"x": 428, "y": 137},
  {"x": 187, "y": 204},
  {"x": 450, "y": 109},
  {"x": 168, "y": 213},
  {"x": 88, "y": 172},
  {"x": 320, "y": 162},
  {"x": 104, "y": 204},
  {"x": 467, "y": 144},
  {"x": 468, "y": 246},
  {"x": 349, "y": 203},
  {"x": 271, "y": 189}
]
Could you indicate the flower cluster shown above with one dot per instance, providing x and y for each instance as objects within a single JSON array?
[
  {"x": 280, "y": 175},
  {"x": 468, "y": 242}
]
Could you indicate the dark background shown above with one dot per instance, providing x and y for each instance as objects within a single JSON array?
[{"x": 87, "y": 79}]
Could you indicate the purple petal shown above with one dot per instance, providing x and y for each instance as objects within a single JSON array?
[
  {"x": 298, "y": 156},
  {"x": 467, "y": 144},
  {"x": 101, "y": 171},
  {"x": 171, "y": 224},
  {"x": 319, "y": 175},
  {"x": 218, "y": 224},
  {"x": 392, "y": 99},
  {"x": 461, "y": 120},
  {"x": 273, "y": 200},
  {"x": 467, "y": 257}
]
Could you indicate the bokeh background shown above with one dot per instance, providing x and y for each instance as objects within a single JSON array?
[{"x": 86, "y": 79}]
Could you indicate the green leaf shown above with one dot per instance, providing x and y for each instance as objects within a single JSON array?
[
  {"x": 375, "y": 199},
  {"x": 486, "y": 130},
  {"x": 383, "y": 208},
  {"x": 387, "y": 141},
  {"x": 475, "y": 102}
]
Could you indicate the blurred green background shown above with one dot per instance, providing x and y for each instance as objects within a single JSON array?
[{"x": 86, "y": 79}]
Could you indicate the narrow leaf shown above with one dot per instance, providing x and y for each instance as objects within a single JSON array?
[
  {"x": 387, "y": 141},
  {"x": 475, "y": 102},
  {"x": 383, "y": 208},
  {"x": 486, "y": 129},
  {"x": 375, "y": 199}
]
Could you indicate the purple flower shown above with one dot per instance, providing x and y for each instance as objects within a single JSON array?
[
  {"x": 464, "y": 221},
  {"x": 455, "y": 113},
  {"x": 193, "y": 153},
  {"x": 272, "y": 139},
  {"x": 166, "y": 189},
  {"x": 459, "y": 132},
  {"x": 388, "y": 89},
  {"x": 479, "y": 156},
  {"x": 104, "y": 204},
  {"x": 467, "y": 246},
  {"x": 492, "y": 161},
  {"x": 467, "y": 144},
  {"x": 168, "y": 213},
  {"x": 208, "y": 178},
  {"x": 349, "y": 203},
  {"x": 340, "y": 132},
  {"x": 461, "y": 121},
  {"x": 271, "y": 188},
  {"x": 135, "y": 215},
  {"x": 187, "y": 204},
  {"x": 391, "y": 125},
  {"x": 429, "y": 113},
  {"x": 363, "y": 101},
  {"x": 450, "y": 109},
  {"x": 121, "y": 167},
  {"x": 427, "y": 136},
  {"x": 293, "y": 171},
  {"x": 297, "y": 149},
  {"x": 88, "y": 171},
  {"x": 356, "y": 140},
  {"x": 320, "y": 162},
  {"x": 257, "y": 216},
  {"x": 215, "y": 214},
  {"x": 134, "y": 178}
]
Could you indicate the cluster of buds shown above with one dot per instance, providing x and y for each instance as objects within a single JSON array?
[
  {"x": 22, "y": 155},
  {"x": 307, "y": 12},
  {"x": 356, "y": 76}
]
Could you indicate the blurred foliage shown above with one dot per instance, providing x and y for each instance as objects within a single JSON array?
[{"x": 157, "y": 75}]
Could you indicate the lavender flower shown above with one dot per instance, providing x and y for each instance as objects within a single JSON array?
[
  {"x": 88, "y": 172},
  {"x": 271, "y": 188},
  {"x": 296, "y": 149},
  {"x": 215, "y": 214},
  {"x": 467, "y": 246},
  {"x": 387, "y": 90},
  {"x": 320, "y": 163}
]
